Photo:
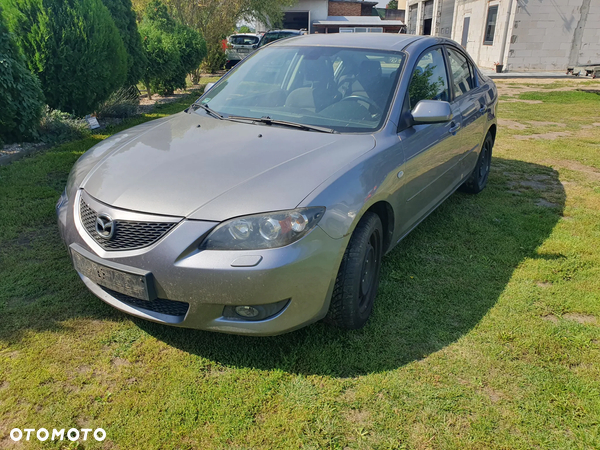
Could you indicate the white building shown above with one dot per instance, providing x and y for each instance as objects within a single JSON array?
[{"x": 519, "y": 34}]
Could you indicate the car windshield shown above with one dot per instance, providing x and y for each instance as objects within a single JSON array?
[
  {"x": 347, "y": 90},
  {"x": 243, "y": 40}
]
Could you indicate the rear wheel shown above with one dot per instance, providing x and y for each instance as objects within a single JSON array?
[
  {"x": 479, "y": 177},
  {"x": 358, "y": 278}
]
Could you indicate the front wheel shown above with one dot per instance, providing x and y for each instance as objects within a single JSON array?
[
  {"x": 358, "y": 278},
  {"x": 478, "y": 179}
]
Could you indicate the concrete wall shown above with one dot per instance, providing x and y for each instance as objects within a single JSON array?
[
  {"x": 484, "y": 55},
  {"x": 543, "y": 35},
  {"x": 553, "y": 34},
  {"x": 443, "y": 15}
]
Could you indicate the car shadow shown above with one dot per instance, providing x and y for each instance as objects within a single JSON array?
[{"x": 436, "y": 285}]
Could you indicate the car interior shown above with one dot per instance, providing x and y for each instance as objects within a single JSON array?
[{"x": 337, "y": 85}]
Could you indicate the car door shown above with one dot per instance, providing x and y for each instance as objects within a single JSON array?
[
  {"x": 470, "y": 99},
  {"x": 432, "y": 151}
]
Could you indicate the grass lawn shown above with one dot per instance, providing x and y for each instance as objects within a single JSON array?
[{"x": 485, "y": 333}]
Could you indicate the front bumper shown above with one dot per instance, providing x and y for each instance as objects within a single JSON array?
[{"x": 303, "y": 273}]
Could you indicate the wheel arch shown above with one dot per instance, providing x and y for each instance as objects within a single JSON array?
[{"x": 386, "y": 214}]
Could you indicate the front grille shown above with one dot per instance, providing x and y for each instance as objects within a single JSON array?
[
  {"x": 159, "y": 305},
  {"x": 128, "y": 235}
]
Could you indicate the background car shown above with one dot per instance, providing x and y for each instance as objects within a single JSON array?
[
  {"x": 275, "y": 35},
  {"x": 239, "y": 46},
  {"x": 270, "y": 203}
]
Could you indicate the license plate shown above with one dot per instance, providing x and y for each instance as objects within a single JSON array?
[
  {"x": 242, "y": 50},
  {"x": 130, "y": 281}
]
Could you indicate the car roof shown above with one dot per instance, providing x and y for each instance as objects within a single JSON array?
[
  {"x": 376, "y": 41},
  {"x": 285, "y": 31}
]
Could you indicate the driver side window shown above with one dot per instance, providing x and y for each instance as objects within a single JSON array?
[{"x": 429, "y": 79}]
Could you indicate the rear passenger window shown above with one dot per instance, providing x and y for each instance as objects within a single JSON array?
[
  {"x": 462, "y": 74},
  {"x": 429, "y": 79}
]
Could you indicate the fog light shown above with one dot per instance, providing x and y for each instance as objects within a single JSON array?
[
  {"x": 254, "y": 312},
  {"x": 246, "y": 311}
]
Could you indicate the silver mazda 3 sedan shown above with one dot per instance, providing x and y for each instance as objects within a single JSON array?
[{"x": 269, "y": 203}]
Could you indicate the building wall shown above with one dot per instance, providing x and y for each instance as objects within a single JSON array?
[
  {"x": 477, "y": 10},
  {"x": 443, "y": 15},
  {"x": 345, "y": 9},
  {"x": 553, "y": 34},
  {"x": 542, "y": 35},
  {"x": 318, "y": 10},
  {"x": 443, "y": 18}
]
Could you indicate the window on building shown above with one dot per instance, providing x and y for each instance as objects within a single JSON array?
[
  {"x": 429, "y": 79},
  {"x": 462, "y": 78},
  {"x": 490, "y": 25}
]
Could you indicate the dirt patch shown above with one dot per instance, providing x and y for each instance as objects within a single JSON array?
[
  {"x": 119, "y": 362},
  {"x": 580, "y": 318},
  {"x": 358, "y": 417},
  {"x": 544, "y": 284},
  {"x": 535, "y": 123},
  {"x": 551, "y": 135},
  {"x": 534, "y": 185},
  {"x": 545, "y": 203},
  {"x": 511, "y": 124},
  {"x": 551, "y": 318},
  {"x": 515, "y": 100},
  {"x": 576, "y": 166}
]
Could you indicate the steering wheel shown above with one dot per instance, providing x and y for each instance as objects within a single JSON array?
[{"x": 371, "y": 103}]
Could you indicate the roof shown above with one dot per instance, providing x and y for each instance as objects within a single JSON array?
[
  {"x": 378, "y": 41},
  {"x": 358, "y": 21}
]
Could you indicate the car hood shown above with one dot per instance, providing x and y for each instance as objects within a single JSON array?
[{"x": 196, "y": 166}]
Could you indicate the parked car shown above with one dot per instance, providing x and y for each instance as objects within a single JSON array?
[
  {"x": 270, "y": 202},
  {"x": 239, "y": 46},
  {"x": 275, "y": 35}
]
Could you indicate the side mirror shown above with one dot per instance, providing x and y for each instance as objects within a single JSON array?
[
  {"x": 255, "y": 46},
  {"x": 431, "y": 111},
  {"x": 208, "y": 86}
]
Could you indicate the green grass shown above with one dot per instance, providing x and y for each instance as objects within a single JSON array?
[{"x": 485, "y": 333}]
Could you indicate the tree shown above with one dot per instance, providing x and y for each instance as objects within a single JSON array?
[
  {"x": 173, "y": 50},
  {"x": 245, "y": 29},
  {"x": 393, "y": 4},
  {"x": 216, "y": 19},
  {"x": 124, "y": 17},
  {"x": 22, "y": 98},
  {"x": 73, "y": 46}
]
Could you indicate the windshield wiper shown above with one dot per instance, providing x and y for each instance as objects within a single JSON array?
[
  {"x": 206, "y": 108},
  {"x": 268, "y": 121}
]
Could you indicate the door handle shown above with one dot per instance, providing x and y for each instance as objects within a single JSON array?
[{"x": 454, "y": 128}]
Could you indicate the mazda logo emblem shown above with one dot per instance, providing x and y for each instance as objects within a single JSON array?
[{"x": 105, "y": 226}]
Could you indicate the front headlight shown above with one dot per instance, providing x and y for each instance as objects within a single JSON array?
[{"x": 269, "y": 230}]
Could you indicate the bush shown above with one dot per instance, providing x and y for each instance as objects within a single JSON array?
[
  {"x": 73, "y": 46},
  {"x": 124, "y": 17},
  {"x": 216, "y": 58},
  {"x": 57, "y": 126},
  {"x": 121, "y": 104},
  {"x": 22, "y": 99},
  {"x": 173, "y": 50}
]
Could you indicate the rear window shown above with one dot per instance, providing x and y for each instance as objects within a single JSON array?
[{"x": 243, "y": 40}]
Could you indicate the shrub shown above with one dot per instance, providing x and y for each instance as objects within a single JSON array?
[
  {"x": 22, "y": 99},
  {"x": 173, "y": 50},
  {"x": 216, "y": 58},
  {"x": 124, "y": 17},
  {"x": 73, "y": 46},
  {"x": 57, "y": 126},
  {"x": 121, "y": 104}
]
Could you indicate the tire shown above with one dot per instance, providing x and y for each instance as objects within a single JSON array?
[
  {"x": 358, "y": 278},
  {"x": 479, "y": 177}
]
